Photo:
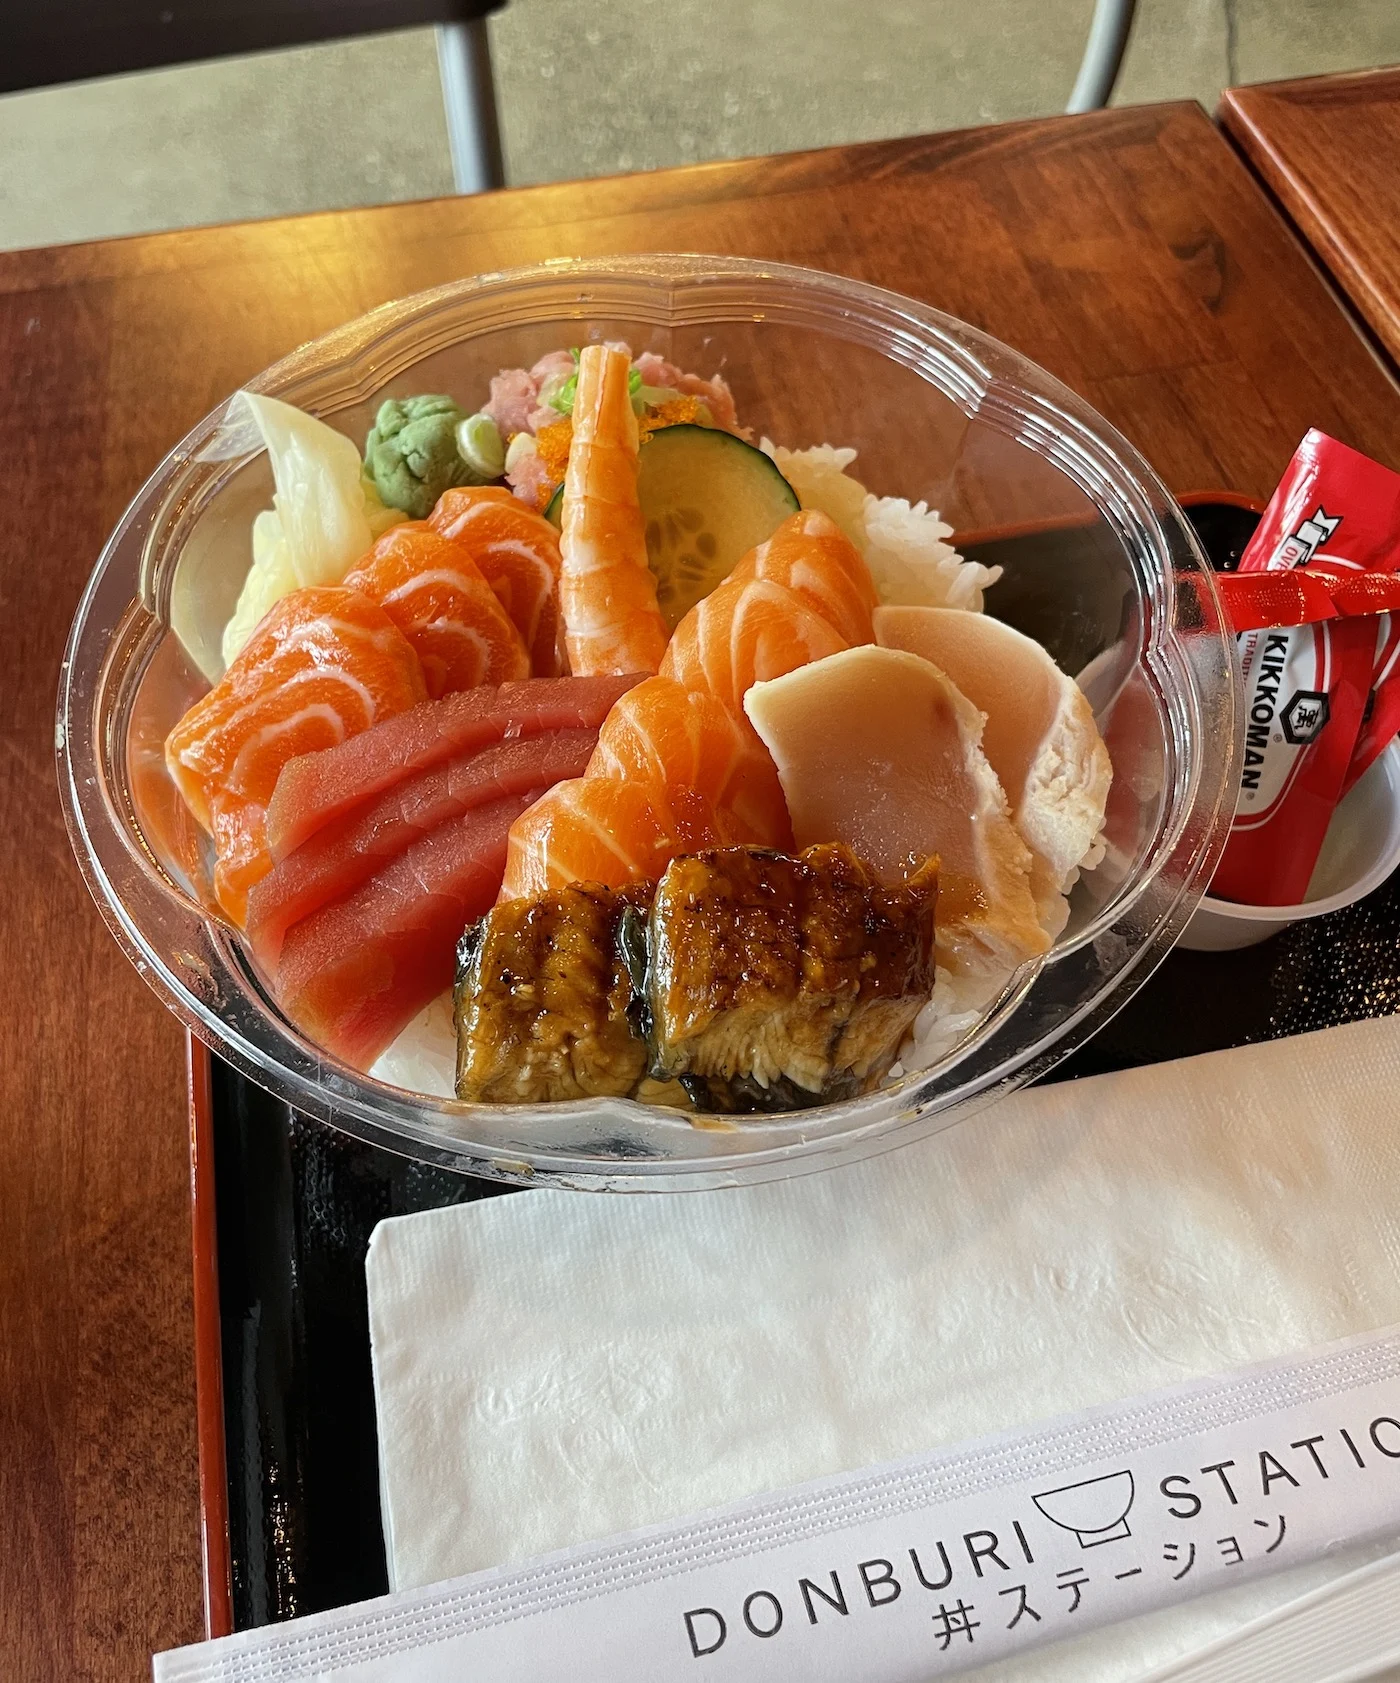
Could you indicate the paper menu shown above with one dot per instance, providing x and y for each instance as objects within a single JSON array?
[{"x": 914, "y": 1570}]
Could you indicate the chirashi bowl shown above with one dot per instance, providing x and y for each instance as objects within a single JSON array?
[{"x": 937, "y": 411}]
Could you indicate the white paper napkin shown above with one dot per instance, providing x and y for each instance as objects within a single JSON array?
[{"x": 559, "y": 1366}]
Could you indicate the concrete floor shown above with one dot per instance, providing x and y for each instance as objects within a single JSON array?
[{"x": 593, "y": 86}]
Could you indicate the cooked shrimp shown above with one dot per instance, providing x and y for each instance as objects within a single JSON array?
[{"x": 606, "y": 589}]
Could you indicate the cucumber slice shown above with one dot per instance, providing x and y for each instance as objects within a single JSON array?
[{"x": 707, "y": 499}]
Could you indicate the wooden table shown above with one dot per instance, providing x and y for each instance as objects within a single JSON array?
[
  {"x": 1329, "y": 150},
  {"x": 1128, "y": 251}
]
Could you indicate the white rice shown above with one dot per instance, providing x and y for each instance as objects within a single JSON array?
[
  {"x": 956, "y": 1008},
  {"x": 424, "y": 1057},
  {"x": 905, "y": 545}
]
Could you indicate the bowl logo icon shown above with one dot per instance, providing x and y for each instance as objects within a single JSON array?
[{"x": 1095, "y": 1509}]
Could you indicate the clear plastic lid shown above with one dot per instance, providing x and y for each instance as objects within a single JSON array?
[{"x": 938, "y": 412}]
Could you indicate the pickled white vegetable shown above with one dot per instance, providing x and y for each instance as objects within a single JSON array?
[{"x": 324, "y": 514}]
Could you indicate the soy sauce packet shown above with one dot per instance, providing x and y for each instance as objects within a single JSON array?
[
  {"x": 1308, "y": 731},
  {"x": 1382, "y": 720}
]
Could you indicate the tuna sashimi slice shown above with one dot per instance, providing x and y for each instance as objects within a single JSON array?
[
  {"x": 355, "y": 973},
  {"x": 318, "y": 788},
  {"x": 344, "y": 854}
]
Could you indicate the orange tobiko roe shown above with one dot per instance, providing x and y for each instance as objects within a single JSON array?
[{"x": 553, "y": 442}]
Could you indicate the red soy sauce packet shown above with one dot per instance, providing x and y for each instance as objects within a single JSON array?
[
  {"x": 1335, "y": 512},
  {"x": 1382, "y": 720}
]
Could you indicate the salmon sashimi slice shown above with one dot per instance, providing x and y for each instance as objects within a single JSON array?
[
  {"x": 320, "y": 788},
  {"x": 813, "y": 557},
  {"x": 434, "y": 592},
  {"x": 607, "y": 830},
  {"x": 661, "y": 736},
  {"x": 743, "y": 632},
  {"x": 355, "y": 973},
  {"x": 802, "y": 595},
  {"x": 340, "y": 856},
  {"x": 325, "y": 664},
  {"x": 517, "y": 551}
]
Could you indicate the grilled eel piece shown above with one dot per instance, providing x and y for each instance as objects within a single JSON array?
[
  {"x": 749, "y": 980},
  {"x": 775, "y": 982},
  {"x": 541, "y": 1000}
]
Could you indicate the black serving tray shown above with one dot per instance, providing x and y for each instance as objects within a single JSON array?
[{"x": 292, "y": 1507}]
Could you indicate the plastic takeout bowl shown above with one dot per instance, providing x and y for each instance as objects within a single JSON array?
[
  {"x": 938, "y": 411},
  {"x": 1360, "y": 851}
]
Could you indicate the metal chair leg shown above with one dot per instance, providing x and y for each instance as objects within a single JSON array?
[
  {"x": 469, "y": 101},
  {"x": 1103, "y": 56}
]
